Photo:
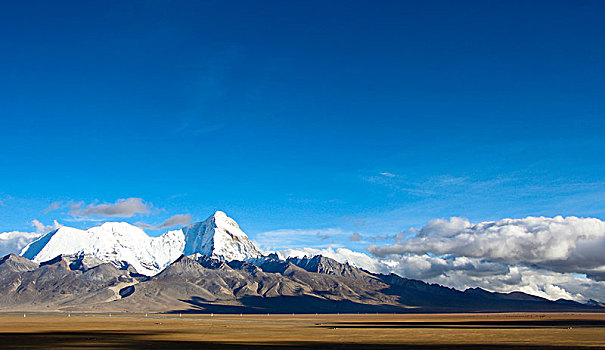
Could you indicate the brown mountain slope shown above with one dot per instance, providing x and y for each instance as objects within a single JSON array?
[{"x": 270, "y": 285}]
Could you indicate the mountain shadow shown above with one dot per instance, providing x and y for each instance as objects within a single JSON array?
[{"x": 286, "y": 304}]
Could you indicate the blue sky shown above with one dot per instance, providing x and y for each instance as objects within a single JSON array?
[{"x": 353, "y": 116}]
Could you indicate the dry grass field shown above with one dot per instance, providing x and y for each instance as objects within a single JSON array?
[{"x": 431, "y": 331}]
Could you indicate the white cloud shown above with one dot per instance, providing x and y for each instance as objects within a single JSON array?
[
  {"x": 463, "y": 273},
  {"x": 14, "y": 241},
  {"x": 557, "y": 244},
  {"x": 41, "y": 228},
  {"x": 175, "y": 220},
  {"x": 544, "y": 283},
  {"x": 548, "y": 257},
  {"x": 387, "y": 174},
  {"x": 124, "y": 208}
]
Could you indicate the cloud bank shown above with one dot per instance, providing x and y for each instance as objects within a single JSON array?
[
  {"x": 557, "y": 244},
  {"x": 463, "y": 273},
  {"x": 14, "y": 241},
  {"x": 548, "y": 257}
]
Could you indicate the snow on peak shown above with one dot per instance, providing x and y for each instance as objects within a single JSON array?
[
  {"x": 119, "y": 242},
  {"x": 220, "y": 237},
  {"x": 115, "y": 242},
  {"x": 219, "y": 214}
]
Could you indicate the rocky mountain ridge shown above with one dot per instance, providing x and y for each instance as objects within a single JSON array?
[{"x": 202, "y": 284}]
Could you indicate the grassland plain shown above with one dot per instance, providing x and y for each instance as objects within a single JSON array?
[{"x": 346, "y": 331}]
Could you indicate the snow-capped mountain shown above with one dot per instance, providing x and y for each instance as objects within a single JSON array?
[
  {"x": 94, "y": 270},
  {"x": 218, "y": 236}
]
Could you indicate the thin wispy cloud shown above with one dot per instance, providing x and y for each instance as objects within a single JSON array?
[
  {"x": 437, "y": 186},
  {"x": 123, "y": 208},
  {"x": 387, "y": 174},
  {"x": 175, "y": 220},
  {"x": 355, "y": 237},
  {"x": 398, "y": 183},
  {"x": 54, "y": 206},
  {"x": 314, "y": 201},
  {"x": 291, "y": 238},
  {"x": 5, "y": 199},
  {"x": 179, "y": 195},
  {"x": 516, "y": 186}
]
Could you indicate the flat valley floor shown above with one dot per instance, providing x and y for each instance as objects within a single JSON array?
[{"x": 351, "y": 331}]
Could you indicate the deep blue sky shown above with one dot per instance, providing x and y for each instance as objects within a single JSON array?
[{"x": 360, "y": 116}]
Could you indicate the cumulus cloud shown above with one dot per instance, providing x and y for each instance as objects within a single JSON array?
[
  {"x": 175, "y": 220},
  {"x": 14, "y": 241},
  {"x": 557, "y": 244},
  {"x": 559, "y": 257},
  {"x": 464, "y": 272},
  {"x": 508, "y": 278},
  {"x": 41, "y": 228},
  {"x": 124, "y": 208}
]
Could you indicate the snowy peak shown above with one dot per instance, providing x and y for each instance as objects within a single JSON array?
[
  {"x": 115, "y": 242},
  {"x": 123, "y": 244},
  {"x": 219, "y": 237}
]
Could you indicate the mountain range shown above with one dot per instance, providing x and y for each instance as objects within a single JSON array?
[
  {"x": 120, "y": 243},
  {"x": 212, "y": 266}
]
